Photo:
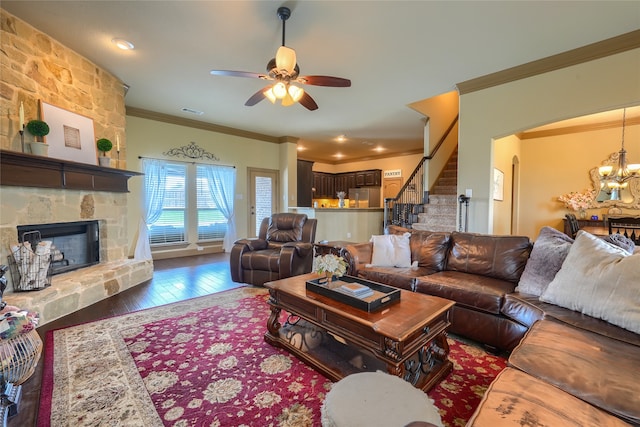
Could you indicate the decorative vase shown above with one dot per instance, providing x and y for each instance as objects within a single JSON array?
[
  {"x": 329, "y": 277},
  {"x": 39, "y": 148},
  {"x": 582, "y": 214},
  {"x": 104, "y": 161},
  {"x": 341, "y": 203}
]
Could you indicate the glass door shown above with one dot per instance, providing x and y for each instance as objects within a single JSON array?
[{"x": 263, "y": 197}]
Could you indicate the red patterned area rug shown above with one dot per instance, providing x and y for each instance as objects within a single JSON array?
[{"x": 203, "y": 362}]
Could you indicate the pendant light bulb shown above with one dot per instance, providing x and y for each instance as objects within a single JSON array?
[
  {"x": 295, "y": 92},
  {"x": 279, "y": 90},
  {"x": 270, "y": 95}
]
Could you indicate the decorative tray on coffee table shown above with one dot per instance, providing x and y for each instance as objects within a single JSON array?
[{"x": 380, "y": 296}]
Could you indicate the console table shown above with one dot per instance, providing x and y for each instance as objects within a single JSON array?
[{"x": 592, "y": 224}]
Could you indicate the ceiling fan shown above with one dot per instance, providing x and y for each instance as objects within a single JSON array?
[{"x": 283, "y": 70}]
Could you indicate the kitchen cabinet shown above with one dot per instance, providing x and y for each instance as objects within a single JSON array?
[
  {"x": 345, "y": 181},
  {"x": 324, "y": 183},
  {"x": 328, "y": 184},
  {"x": 305, "y": 183},
  {"x": 369, "y": 178}
]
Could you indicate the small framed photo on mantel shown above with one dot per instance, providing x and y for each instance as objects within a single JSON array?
[{"x": 71, "y": 135}]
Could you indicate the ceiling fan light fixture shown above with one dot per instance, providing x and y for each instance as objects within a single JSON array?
[
  {"x": 270, "y": 95},
  {"x": 295, "y": 92},
  {"x": 287, "y": 100},
  {"x": 279, "y": 90},
  {"x": 283, "y": 70},
  {"x": 286, "y": 59}
]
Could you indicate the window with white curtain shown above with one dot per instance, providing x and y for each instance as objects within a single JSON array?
[
  {"x": 212, "y": 225},
  {"x": 172, "y": 225},
  {"x": 189, "y": 212}
]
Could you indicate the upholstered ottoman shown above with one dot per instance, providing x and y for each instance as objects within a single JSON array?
[{"x": 377, "y": 399}]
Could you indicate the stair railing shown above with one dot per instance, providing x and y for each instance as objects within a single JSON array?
[{"x": 403, "y": 209}]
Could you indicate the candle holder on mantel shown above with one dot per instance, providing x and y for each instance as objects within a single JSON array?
[
  {"x": 22, "y": 139},
  {"x": 118, "y": 159}
]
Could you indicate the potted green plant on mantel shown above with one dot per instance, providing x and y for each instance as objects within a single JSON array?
[
  {"x": 104, "y": 146},
  {"x": 38, "y": 129}
]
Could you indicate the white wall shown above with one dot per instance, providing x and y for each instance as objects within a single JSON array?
[{"x": 485, "y": 115}]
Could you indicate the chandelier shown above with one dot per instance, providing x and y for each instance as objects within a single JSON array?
[{"x": 613, "y": 180}]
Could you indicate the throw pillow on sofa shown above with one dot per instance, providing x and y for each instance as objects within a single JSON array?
[
  {"x": 391, "y": 251},
  {"x": 549, "y": 252},
  {"x": 600, "y": 280}
]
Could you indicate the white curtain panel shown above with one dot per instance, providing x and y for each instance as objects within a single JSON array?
[
  {"x": 222, "y": 186},
  {"x": 155, "y": 176}
]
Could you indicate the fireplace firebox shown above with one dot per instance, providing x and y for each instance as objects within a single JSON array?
[{"x": 74, "y": 244}]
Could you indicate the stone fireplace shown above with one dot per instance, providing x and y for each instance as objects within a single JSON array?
[
  {"x": 38, "y": 206},
  {"x": 74, "y": 245}
]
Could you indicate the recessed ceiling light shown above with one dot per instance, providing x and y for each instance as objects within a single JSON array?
[
  {"x": 122, "y": 44},
  {"x": 341, "y": 138}
]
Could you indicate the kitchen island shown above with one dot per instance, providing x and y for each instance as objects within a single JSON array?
[{"x": 353, "y": 224}]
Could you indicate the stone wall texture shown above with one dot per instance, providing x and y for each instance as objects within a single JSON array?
[{"x": 35, "y": 67}]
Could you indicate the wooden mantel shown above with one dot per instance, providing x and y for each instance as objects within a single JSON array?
[{"x": 27, "y": 170}]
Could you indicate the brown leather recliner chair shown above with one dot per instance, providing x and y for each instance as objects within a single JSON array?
[{"x": 284, "y": 248}]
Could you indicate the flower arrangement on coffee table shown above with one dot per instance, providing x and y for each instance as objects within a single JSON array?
[{"x": 330, "y": 265}]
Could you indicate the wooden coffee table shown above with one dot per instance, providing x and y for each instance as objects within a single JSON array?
[{"x": 407, "y": 339}]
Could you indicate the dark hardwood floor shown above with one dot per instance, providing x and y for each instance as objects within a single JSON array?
[{"x": 173, "y": 280}]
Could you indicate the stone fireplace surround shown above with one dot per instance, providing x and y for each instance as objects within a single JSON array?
[{"x": 77, "y": 289}]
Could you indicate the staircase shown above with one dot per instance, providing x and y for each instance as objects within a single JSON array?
[
  {"x": 440, "y": 213},
  {"x": 408, "y": 209}
]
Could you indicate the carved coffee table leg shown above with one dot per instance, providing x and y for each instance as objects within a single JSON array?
[
  {"x": 425, "y": 367},
  {"x": 440, "y": 348},
  {"x": 273, "y": 324}
]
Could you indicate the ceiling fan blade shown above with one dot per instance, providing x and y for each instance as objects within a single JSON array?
[
  {"x": 324, "y": 81},
  {"x": 257, "y": 97},
  {"x": 307, "y": 102},
  {"x": 239, "y": 74}
]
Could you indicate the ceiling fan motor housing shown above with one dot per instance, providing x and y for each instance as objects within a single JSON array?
[{"x": 284, "y": 13}]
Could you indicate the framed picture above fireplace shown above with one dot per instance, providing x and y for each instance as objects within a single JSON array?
[{"x": 71, "y": 135}]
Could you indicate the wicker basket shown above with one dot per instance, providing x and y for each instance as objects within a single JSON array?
[
  {"x": 30, "y": 269},
  {"x": 19, "y": 357}
]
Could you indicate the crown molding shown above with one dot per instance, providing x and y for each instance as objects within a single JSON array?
[
  {"x": 604, "y": 48},
  {"x": 167, "y": 118},
  {"x": 577, "y": 129}
]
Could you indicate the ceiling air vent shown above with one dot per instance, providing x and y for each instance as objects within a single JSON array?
[{"x": 192, "y": 111}]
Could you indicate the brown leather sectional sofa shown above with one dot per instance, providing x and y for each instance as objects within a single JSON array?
[
  {"x": 474, "y": 270},
  {"x": 565, "y": 368}
]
